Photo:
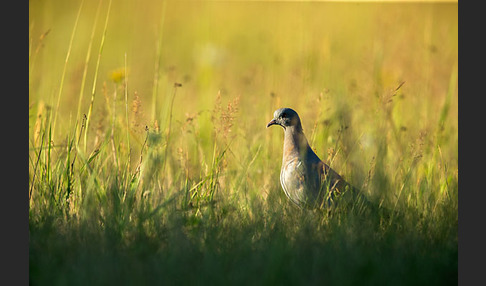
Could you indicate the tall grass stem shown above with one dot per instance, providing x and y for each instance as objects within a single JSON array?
[
  {"x": 93, "y": 90},
  {"x": 68, "y": 54},
  {"x": 157, "y": 63},
  {"x": 88, "y": 57}
]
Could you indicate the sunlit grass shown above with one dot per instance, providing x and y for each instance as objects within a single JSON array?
[{"x": 161, "y": 170}]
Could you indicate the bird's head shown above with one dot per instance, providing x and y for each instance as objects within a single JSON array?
[{"x": 285, "y": 117}]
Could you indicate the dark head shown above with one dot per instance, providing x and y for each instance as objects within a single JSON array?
[{"x": 285, "y": 117}]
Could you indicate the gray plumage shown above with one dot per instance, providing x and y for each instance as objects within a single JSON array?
[{"x": 305, "y": 179}]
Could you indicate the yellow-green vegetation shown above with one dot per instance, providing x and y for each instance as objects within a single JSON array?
[{"x": 150, "y": 163}]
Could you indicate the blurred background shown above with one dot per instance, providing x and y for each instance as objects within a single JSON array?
[{"x": 270, "y": 54}]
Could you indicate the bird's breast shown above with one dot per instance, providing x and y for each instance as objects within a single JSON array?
[{"x": 293, "y": 180}]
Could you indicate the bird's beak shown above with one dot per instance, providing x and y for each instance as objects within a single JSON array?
[{"x": 272, "y": 122}]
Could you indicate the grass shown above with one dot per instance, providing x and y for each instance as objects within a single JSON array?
[{"x": 169, "y": 176}]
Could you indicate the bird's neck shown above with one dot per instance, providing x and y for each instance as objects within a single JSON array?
[{"x": 295, "y": 143}]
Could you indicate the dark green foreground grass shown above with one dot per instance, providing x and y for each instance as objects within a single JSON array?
[{"x": 275, "y": 247}]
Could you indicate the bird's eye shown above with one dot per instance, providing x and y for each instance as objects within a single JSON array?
[{"x": 284, "y": 115}]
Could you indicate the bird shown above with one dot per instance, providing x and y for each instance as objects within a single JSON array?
[{"x": 306, "y": 180}]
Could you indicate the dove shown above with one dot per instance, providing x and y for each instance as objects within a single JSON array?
[{"x": 306, "y": 180}]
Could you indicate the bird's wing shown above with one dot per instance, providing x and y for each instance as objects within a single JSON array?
[
  {"x": 329, "y": 177},
  {"x": 339, "y": 189},
  {"x": 331, "y": 183}
]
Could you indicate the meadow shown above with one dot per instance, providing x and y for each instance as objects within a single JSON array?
[{"x": 150, "y": 162}]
